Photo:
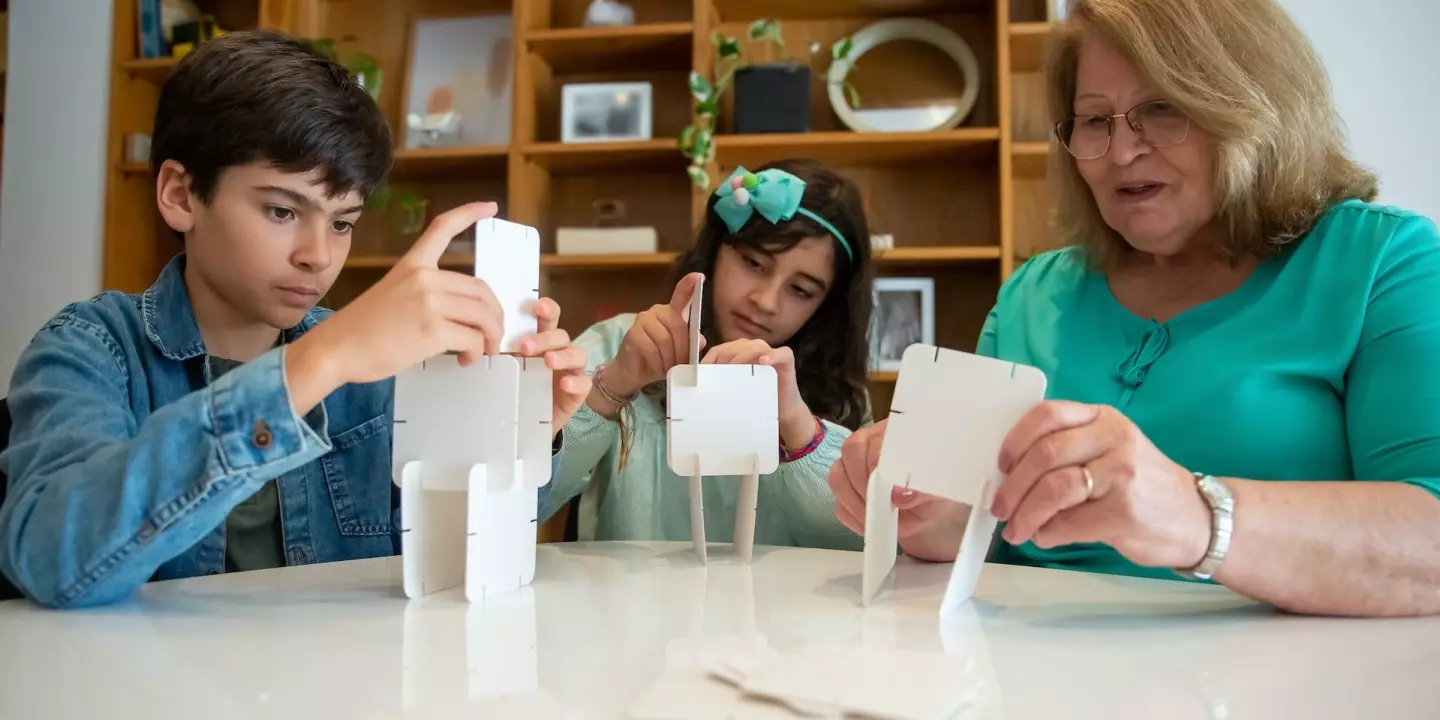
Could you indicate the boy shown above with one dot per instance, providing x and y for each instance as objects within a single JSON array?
[{"x": 220, "y": 421}]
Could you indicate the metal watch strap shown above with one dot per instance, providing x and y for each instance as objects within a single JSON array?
[{"x": 1222, "y": 524}]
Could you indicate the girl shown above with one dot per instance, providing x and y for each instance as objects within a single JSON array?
[{"x": 785, "y": 252}]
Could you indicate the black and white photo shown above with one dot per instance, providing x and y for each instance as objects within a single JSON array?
[
  {"x": 904, "y": 316},
  {"x": 601, "y": 112}
]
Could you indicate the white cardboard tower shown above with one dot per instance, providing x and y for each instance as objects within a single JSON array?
[
  {"x": 472, "y": 445},
  {"x": 949, "y": 416},
  {"x": 721, "y": 420}
]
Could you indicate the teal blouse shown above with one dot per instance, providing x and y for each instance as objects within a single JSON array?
[{"x": 1321, "y": 366}]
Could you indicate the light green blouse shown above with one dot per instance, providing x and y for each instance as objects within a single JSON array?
[
  {"x": 649, "y": 502},
  {"x": 1321, "y": 366}
]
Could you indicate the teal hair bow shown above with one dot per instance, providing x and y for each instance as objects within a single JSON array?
[{"x": 773, "y": 193}]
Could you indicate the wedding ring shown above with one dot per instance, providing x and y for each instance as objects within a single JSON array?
[{"x": 1089, "y": 482}]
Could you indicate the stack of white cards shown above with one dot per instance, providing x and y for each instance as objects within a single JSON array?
[{"x": 752, "y": 681}]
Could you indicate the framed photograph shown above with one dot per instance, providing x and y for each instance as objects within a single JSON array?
[
  {"x": 904, "y": 315},
  {"x": 458, "y": 83},
  {"x": 1055, "y": 9},
  {"x": 605, "y": 112}
]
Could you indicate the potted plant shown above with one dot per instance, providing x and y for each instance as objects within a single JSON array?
[
  {"x": 782, "y": 113},
  {"x": 363, "y": 64}
]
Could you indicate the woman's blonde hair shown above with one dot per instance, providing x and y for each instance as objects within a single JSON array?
[{"x": 1243, "y": 72}]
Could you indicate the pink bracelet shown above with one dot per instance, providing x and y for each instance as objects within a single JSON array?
[{"x": 789, "y": 456}]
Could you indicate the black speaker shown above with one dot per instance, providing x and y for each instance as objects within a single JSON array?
[{"x": 772, "y": 98}]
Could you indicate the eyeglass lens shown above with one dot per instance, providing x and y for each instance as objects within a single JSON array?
[{"x": 1158, "y": 123}]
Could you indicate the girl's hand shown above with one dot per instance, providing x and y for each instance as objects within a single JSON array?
[
  {"x": 797, "y": 424},
  {"x": 1140, "y": 502},
  {"x": 567, "y": 362},
  {"x": 930, "y": 527},
  {"x": 658, "y": 341}
]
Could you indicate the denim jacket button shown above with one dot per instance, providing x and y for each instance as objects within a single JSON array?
[{"x": 262, "y": 437}]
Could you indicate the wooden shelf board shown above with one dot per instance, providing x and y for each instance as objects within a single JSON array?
[
  {"x": 637, "y": 261},
  {"x": 1027, "y": 46},
  {"x": 939, "y": 254},
  {"x": 134, "y": 168},
  {"x": 884, "y": 376},
  {"x": 626, "y": 261},
  {"x": 850, "y": 148},
  {"x": 610, "y": 49},
  {"x": 1030, "y": 158},
  {"x": 152, "y": 69},
  {"x": 615, "y": 156},
  {"x": 745, "y": 10},
  {"x": 449, "y": 162}
]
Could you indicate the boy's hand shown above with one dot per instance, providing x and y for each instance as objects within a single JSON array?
[
  {"x": 415, "y": 312},
  {"x": 572, "y": 385}
]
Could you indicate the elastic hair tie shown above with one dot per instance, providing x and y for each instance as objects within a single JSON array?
[{"x": 773, "y": 193}]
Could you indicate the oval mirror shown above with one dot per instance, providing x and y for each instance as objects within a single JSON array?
[{"x": 920, "y": 76}]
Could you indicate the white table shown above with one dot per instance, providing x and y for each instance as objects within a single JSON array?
[{"x": 594, "y": 631}]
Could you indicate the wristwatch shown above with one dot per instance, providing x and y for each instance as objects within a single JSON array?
[{"x": 1222, "y": 523}]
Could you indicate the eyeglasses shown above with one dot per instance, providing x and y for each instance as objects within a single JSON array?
[{"x": 1158, "y": 122}]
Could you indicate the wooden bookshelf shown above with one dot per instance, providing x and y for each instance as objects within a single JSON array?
[
  {"x": 606, "y": 49},
  {"x": 1027, "y": 45},
  {"x": 964, "y": 205}
]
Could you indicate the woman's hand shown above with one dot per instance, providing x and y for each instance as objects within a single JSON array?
[
  {"x": 930, "y": 528},
  {"x": 658, "y": 341},
  {"x": 1141, "y": 503},
  {"x": 566, "y": 361},
  {"x": 797, "y": 424}
]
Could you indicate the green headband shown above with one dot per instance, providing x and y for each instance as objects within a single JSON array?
[{"x": 775, "y": 194}]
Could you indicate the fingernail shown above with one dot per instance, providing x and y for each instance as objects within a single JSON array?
[
  {"x": 906, "y": 495},
  {"x": 764, "y": 359},
  {"x": 1005, "y": 462},
  {"x": 529, "y": 347},
  {"x": 998, "y": 509}
]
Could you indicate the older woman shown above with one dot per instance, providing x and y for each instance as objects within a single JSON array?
[{"x": 1231, "y": 311}]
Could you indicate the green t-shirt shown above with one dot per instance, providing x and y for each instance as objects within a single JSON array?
[
  {"x": 1321, "y": 366},
  {"x": 253, "y": 537}
]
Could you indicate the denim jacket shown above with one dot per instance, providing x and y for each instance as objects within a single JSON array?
[{"x": 125, "y": 459}]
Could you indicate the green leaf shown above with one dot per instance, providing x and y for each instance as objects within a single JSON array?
[
  {"x": 699, "y": 86},
  {"x": 841, "y": 49},
  {"x": 730, "y": 48},
  {"x": 852, "y": 95},
  {"x": 765, "y": 29},
  {"x": 378, "y": 199},
  {"x": 687, "y": 137},
  {"x": 699, "y": 177},
  {"x": 707, "y": 108},
  {"x": 703, "y": 146},
  {"x": 717, "y": 37}
]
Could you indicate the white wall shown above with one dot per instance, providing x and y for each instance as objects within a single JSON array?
[
  {"x": 1384, "y": 64},
  {"x": 52, "y": 192}
]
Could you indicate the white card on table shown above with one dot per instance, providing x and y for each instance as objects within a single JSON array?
[
  {"x": 950, "y": 413},
  {"x": 723, "y": 420},
  {"x": 507, "y": 258},
  {"x": 449, "y": 420},
  {"x": 536, "y": 437}
]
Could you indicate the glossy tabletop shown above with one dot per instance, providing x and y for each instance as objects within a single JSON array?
[{"x": 603, "y": 623}]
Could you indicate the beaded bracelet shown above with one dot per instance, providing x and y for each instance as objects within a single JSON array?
[
  {"x": 599, "y": 383},
  {"x": 791, "y": 456}
]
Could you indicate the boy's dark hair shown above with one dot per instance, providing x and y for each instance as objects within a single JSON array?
[
  {"x": 261, "y": 95},
  {"x": 832, "y": 348}
]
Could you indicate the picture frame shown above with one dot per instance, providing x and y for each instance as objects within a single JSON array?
[
  {"x": 606, "y": 112},
  {"x": 904, "y": 316},
  {"x": 1055, "y": 10},
  {"x": 458, "y": 88}
]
